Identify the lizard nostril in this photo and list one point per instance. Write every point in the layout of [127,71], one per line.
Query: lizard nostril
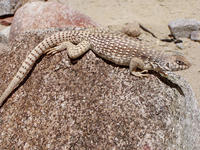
[167,65]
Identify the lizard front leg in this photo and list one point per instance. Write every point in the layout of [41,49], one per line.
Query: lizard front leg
[74,51]
[137,63]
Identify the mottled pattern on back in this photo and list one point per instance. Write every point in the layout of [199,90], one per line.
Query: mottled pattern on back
[118,48]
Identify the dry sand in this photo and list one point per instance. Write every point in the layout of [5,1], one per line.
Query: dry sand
[153,14]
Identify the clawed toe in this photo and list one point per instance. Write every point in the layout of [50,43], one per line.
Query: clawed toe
[140,74]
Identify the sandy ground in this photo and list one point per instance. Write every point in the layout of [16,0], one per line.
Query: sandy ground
[153,14]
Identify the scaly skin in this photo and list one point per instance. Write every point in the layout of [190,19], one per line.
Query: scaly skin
[112,46]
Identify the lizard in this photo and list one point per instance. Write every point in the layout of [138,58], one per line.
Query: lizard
[115,47]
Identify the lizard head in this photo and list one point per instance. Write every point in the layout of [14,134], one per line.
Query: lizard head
[174,62]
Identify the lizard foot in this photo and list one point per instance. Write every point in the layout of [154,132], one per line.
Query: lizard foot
[140,74]
[52,51]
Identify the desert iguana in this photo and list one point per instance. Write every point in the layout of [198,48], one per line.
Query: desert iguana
[112,46]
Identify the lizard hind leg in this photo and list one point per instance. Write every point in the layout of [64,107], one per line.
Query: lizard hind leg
[74,51]
[137,63]
[60,47]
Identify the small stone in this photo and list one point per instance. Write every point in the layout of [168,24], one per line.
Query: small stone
[180,45]
[183,27]
[195,36]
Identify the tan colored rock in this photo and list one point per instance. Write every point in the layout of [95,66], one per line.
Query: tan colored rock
[41,15]
[131,29]
[92,104]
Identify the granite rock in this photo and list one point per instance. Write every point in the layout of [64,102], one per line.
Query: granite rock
[93,104]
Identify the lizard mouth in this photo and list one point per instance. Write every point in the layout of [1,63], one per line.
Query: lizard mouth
[177,67]
[177,63]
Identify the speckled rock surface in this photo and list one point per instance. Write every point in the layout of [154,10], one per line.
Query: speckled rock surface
[92,104]
[40,15]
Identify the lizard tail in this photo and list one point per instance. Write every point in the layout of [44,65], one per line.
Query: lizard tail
[28,63]
[22,72]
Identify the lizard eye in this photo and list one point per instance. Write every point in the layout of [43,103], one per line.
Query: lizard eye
[179,62]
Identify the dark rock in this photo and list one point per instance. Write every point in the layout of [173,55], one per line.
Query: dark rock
[41,15]
[183,27]
[195,36]
[92,104]
[7,7]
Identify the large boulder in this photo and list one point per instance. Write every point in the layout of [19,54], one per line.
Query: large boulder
[41,15]
[93,104]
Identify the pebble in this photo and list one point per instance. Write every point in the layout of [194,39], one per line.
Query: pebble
[195,36]
[180,45]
